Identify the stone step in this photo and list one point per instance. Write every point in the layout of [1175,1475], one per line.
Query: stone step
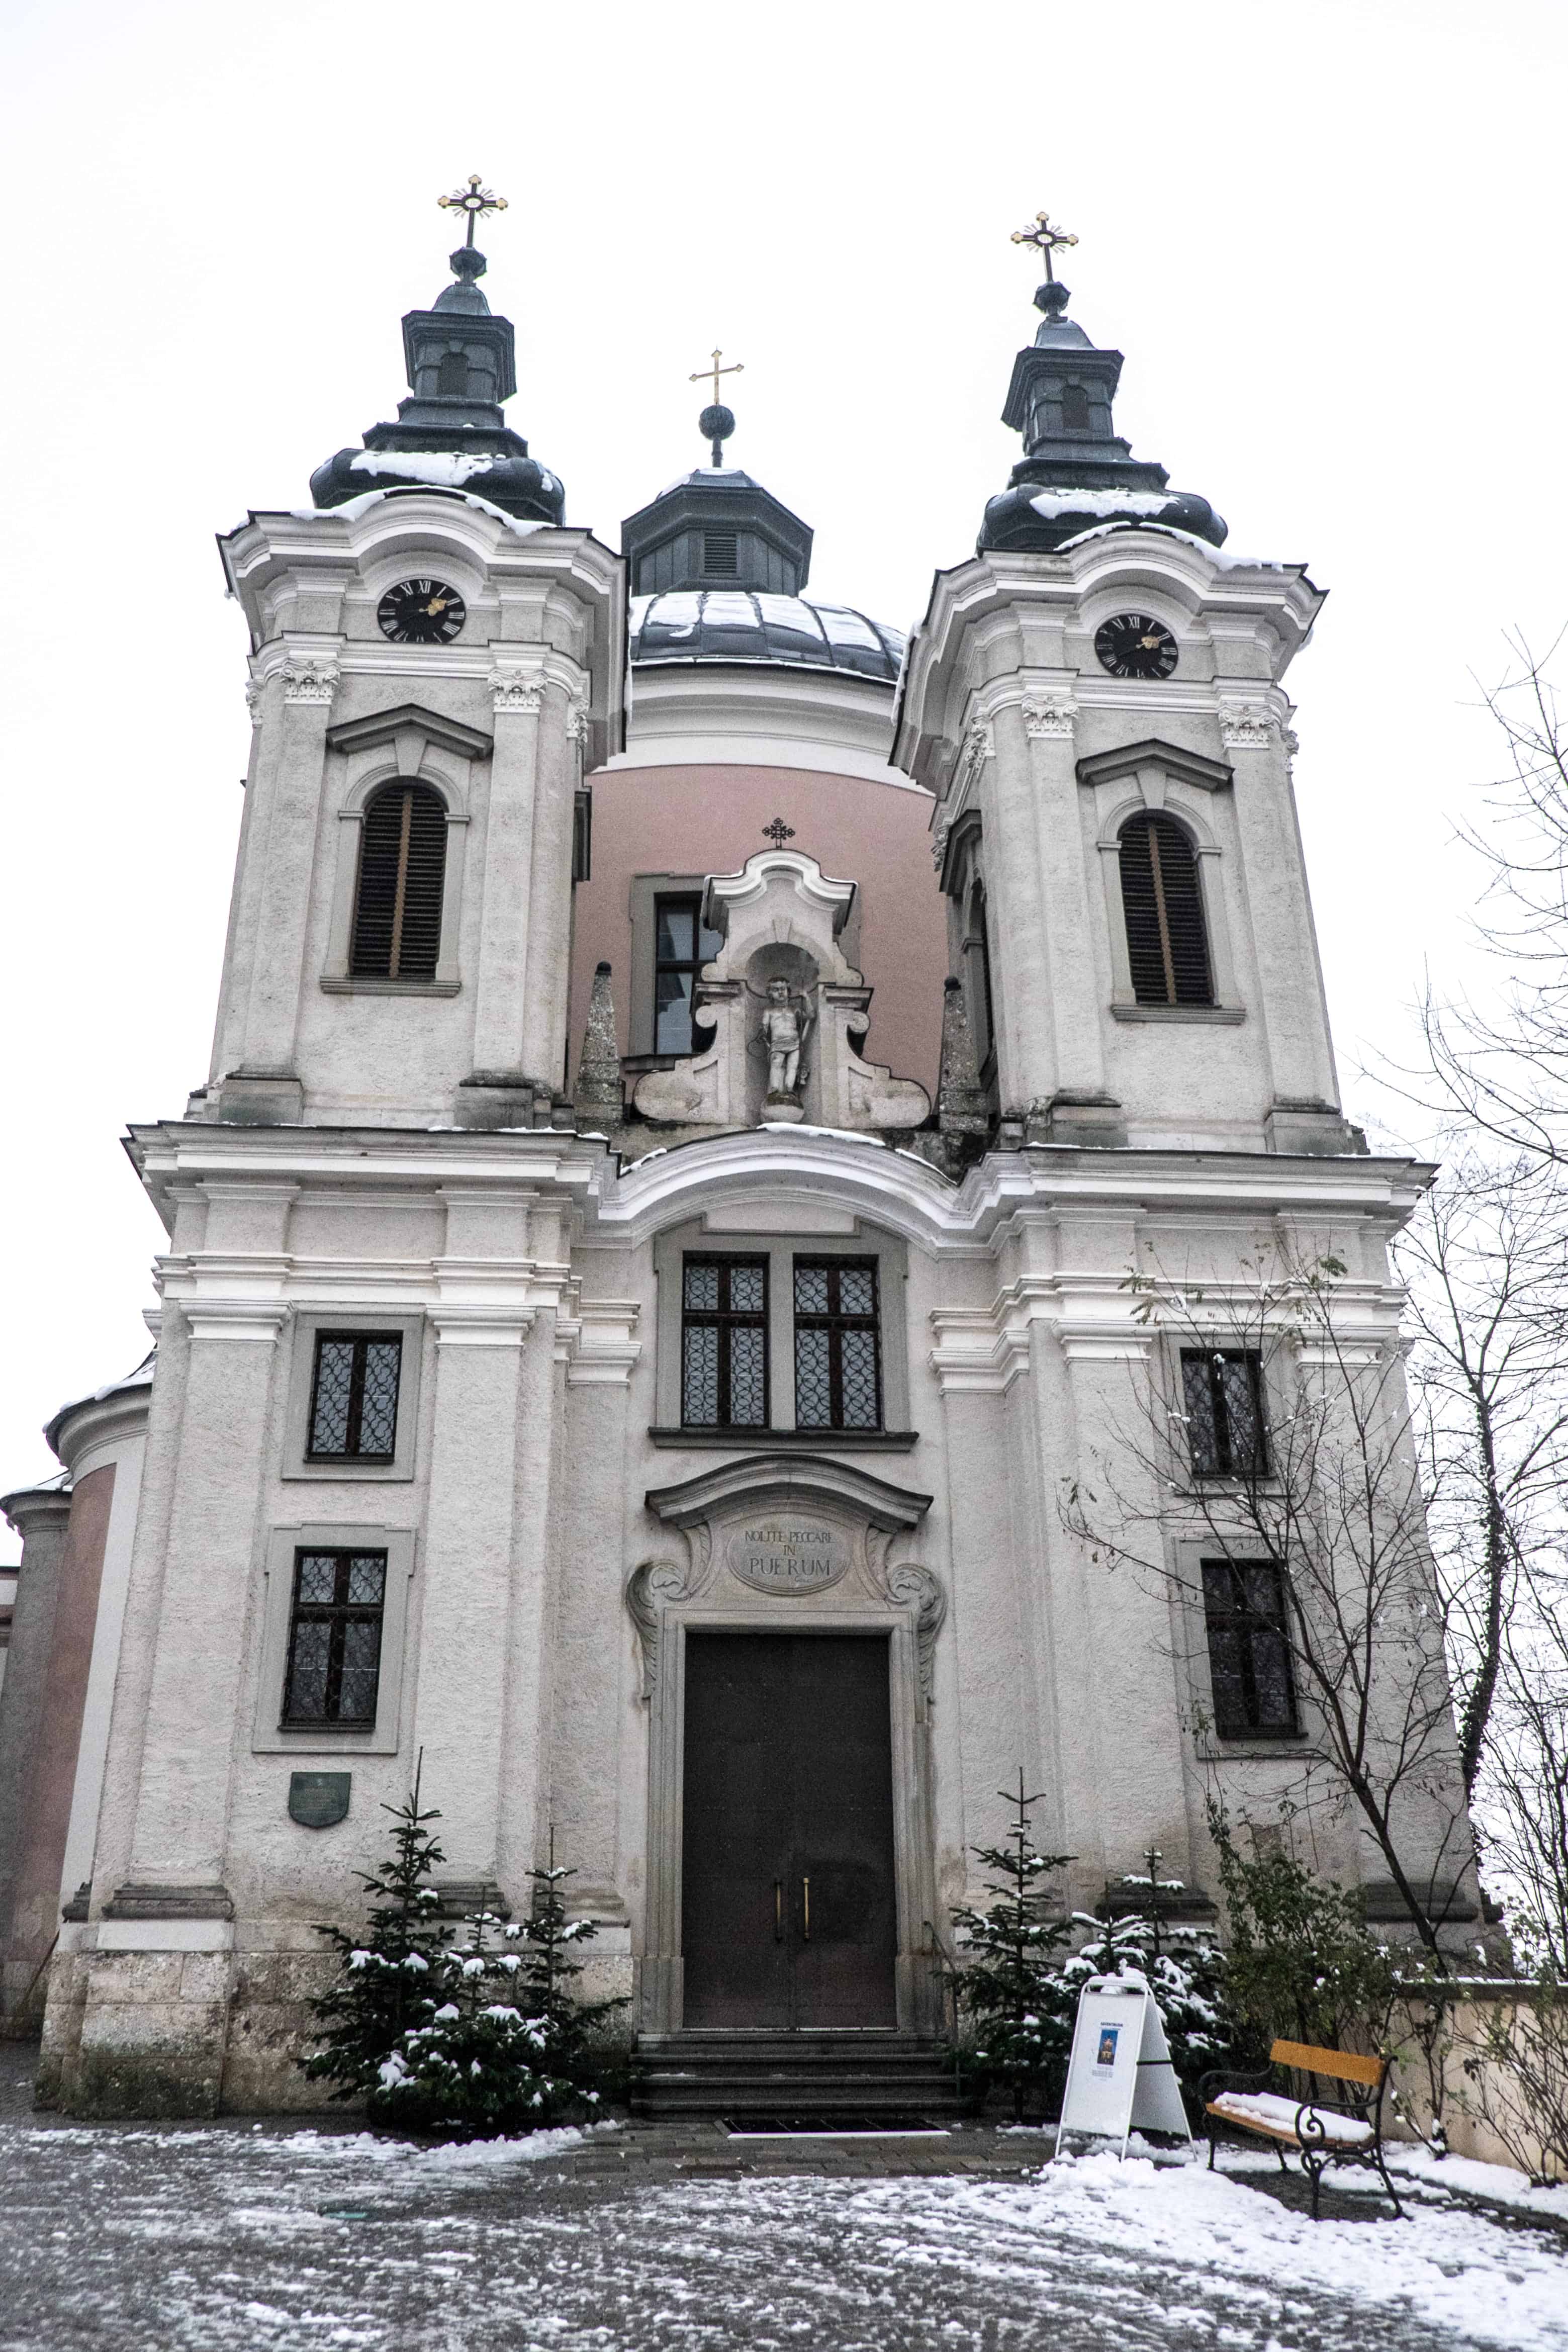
[780,2073]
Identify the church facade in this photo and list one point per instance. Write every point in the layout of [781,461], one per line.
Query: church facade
[693,1076]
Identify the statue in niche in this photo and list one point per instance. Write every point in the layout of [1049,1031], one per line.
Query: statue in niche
[785,1025]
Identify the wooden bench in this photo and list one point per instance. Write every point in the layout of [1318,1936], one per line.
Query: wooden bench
[1348,2130]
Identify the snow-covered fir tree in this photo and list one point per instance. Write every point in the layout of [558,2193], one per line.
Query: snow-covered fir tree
[1008,1983]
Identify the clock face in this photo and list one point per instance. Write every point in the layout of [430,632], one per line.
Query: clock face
[421,612]
[1132,645]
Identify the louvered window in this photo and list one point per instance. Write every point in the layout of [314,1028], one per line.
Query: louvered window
[1222,1390]
[838,1368]
[402,873]
[353,1396]
[1167,946]
[1244,1608]
[721,553]
[335,1639]
[723,1343]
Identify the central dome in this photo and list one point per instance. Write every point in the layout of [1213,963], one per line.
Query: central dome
[741,625]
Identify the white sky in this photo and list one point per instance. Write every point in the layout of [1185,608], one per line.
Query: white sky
[1329,240]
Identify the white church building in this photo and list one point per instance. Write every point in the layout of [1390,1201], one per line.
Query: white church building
[693,1075]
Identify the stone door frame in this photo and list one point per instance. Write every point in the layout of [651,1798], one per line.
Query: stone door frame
[871,1592]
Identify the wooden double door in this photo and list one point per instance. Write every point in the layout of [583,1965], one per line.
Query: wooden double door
[789,1909]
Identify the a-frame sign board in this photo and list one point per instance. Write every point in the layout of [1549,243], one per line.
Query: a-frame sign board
[1120,2076]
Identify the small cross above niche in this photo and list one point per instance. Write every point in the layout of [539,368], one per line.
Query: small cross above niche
[779,833]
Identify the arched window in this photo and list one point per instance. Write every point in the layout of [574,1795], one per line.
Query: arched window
[1075,408]
[403,872]
[1167,946]
[451,377]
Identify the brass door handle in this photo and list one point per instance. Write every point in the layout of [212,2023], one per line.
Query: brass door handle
[806,1893]
[778,1910]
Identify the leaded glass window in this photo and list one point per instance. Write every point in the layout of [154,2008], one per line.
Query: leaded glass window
[723,1343]
[334,1638]
[1244,1607]
[353,1396]
[1222,1388]
[838,1361]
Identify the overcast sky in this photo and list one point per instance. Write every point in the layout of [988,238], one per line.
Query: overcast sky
[1329,240]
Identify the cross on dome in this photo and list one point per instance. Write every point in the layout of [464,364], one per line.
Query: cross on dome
[476,200]
[716,421]
[737,368]
[1046,240]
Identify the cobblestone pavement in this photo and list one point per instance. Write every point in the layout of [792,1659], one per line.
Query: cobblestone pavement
[241,2236]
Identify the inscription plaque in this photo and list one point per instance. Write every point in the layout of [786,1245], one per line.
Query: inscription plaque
[781,1553]
[318,1800]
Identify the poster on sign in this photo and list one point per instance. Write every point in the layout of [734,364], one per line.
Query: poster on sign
[1120,2078]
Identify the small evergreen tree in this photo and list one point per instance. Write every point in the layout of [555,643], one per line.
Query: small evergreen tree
[393,1974]
[1303,1963]
[1008,1976]
[546,1981]
[478,2064]
[1184,1970]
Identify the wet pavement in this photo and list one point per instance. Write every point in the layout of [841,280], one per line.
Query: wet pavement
[304,2233]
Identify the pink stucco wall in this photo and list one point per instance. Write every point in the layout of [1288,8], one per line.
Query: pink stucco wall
[710,820]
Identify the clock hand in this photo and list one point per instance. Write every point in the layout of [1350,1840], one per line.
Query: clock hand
[437,604]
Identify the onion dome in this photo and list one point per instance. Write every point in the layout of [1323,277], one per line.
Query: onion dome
[1075,473]
[719,568]
[451,434]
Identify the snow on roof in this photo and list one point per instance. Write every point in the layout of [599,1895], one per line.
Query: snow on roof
[1051,503]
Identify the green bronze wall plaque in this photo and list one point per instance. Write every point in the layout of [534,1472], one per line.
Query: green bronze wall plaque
[317,1800]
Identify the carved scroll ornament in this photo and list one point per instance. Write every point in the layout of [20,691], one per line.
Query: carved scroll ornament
[647,1589]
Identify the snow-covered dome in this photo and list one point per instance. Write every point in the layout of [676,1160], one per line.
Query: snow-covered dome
[744,624]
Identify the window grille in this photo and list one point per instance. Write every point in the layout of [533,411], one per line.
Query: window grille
[353,1396]
[681,948]
[1167,944]
[335,1639]
[1075,408]
[721,553]
[838,1366]
[1244,1606]
[723,1343]
[1222,1390]
[402,874]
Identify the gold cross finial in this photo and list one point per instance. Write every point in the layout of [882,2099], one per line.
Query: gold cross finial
[476,200]
[1045,240]
[715,372]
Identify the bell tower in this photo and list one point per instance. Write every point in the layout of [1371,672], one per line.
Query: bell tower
[1096,700]
[435,660]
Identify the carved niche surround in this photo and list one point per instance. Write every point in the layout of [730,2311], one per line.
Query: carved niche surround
[787,1544]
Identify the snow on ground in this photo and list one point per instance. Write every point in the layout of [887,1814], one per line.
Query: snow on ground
[228,2240]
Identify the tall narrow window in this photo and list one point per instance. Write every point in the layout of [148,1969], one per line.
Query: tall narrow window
[1075,408]
[335,1639]
[353,1396]
[452,377]
[1222,1390]
[681,948]
[723,1343]
[1254,1689]
[402,873]
[1167,945]
[838,1364]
